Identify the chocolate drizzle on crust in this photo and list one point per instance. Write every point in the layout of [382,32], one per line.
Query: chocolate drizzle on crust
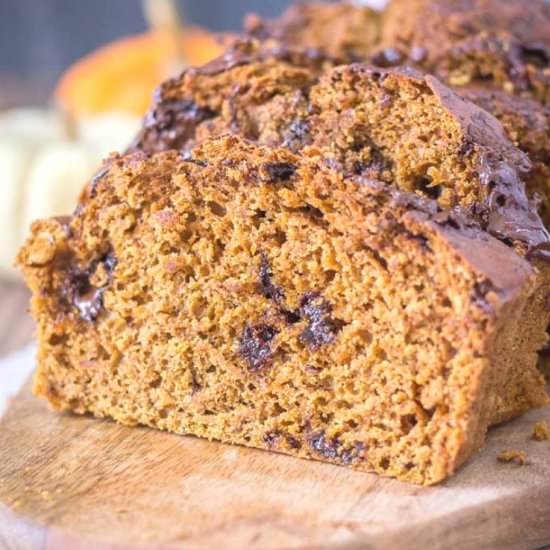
[507,213]
[173,123]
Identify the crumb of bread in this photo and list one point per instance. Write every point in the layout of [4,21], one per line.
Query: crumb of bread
[541,431]
[513,456]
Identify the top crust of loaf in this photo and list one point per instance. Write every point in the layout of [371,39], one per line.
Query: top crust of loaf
[276,97]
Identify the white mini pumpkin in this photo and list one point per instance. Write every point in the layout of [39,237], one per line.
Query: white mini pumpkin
[42,169]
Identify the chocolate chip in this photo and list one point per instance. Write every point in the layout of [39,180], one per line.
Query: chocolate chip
[188,157]
[273,291]
[388,57]
[270,438]
[255,345]
[327,448]
[424,185]
[87,298]
[292,441]
[279,171]
[171,124]
[110,262]
[375,165]
[80,292]
[321,328]
[537,56]
[466,148]
[297,135]
[268,288]
[170,112]
[418,54]
[479,295]
[195,384]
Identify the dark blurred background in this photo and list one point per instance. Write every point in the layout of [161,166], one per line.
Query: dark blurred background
[40,38]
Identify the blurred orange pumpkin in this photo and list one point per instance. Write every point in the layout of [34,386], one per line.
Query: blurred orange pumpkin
[122,75]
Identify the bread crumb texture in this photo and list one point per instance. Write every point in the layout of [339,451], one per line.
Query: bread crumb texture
[258,297]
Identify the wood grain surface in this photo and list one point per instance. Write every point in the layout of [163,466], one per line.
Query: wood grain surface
[69,482]
[80,483]
[16,326]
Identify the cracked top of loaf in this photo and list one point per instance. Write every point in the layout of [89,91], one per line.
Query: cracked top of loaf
[393,125]
[461,41]
[347,32]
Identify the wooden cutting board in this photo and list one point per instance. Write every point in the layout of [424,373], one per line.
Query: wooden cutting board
[16,326]
[69,482]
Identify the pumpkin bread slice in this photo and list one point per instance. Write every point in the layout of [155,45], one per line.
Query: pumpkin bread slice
[251,295]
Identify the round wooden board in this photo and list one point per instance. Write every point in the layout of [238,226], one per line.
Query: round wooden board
[79,483]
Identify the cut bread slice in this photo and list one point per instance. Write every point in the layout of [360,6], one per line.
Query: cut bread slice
[250,295]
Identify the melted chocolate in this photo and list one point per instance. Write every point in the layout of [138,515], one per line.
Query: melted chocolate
[519,59]
[245,52]
[297,135]
[507,213]
[269,289]
[188,157]
[321,327]
[87,298]
[327,448]
[171,124]
[255,346]
[279,171]
[274,292]
[272,438]
[333,449]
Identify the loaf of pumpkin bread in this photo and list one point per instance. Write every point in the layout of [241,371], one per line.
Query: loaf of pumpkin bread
[349,277]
